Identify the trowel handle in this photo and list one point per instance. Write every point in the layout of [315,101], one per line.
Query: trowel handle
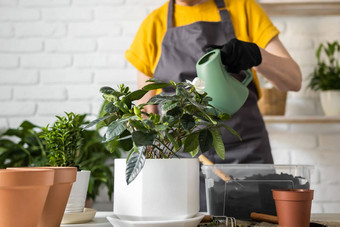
[249,77]
[205,161]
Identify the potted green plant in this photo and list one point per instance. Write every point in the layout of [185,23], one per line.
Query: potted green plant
[326,77]
[63,140]
[149,184]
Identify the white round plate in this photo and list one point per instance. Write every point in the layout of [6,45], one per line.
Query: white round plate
[190,222]
[81,217]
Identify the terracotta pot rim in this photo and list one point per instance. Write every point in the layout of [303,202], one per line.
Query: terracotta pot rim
[293,194]
[24,178]
[62,175]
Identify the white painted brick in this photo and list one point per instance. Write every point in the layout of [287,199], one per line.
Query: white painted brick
[315,157]
[130,28]
[67,14]
[46,61]
[304,57]
[280,25]
[44,93]
[99,60]
[58,108]
[49,3]
[313,26]
[5,93]
[14,122]
[116,13]
[70,45]
[329,174]
[3,125]
[315,175]
[40,29]
[114,44]
[298,43]
[300,106]
[281,156]
[8,2]
[19,14]
[66,76]
[9,61]
[18,76]
[317,208]
[326,193]
[316,128]
[19,45]
[277,127]
[117,76]
[292,140]
[83,92]
[330,141]
[17,109]
[94,29]
[98,2]
[6,30]
[332,208]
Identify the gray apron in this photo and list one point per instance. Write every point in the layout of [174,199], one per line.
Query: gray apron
[181,49]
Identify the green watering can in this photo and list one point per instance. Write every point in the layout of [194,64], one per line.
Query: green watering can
[228,93]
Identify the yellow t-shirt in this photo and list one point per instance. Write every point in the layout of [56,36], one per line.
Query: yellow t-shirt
[251,24]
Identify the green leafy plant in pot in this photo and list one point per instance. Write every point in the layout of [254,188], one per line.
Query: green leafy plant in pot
[188,124]
[63,140]
[326,77]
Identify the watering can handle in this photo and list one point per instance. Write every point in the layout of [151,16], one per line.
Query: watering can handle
[249,77]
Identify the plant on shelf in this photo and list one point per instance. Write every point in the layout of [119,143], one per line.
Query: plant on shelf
[326,77]
[188,123]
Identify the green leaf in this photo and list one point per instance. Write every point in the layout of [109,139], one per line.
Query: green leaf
[142,139]
[115,129]
[205,140]
[232,131]
[92,123]
[125,140]
[194,152]
[135,164]
[182,92]
[175,112]
[137,125]
[169,105]
[172,141]
[158,99]
[110,91]
[191,142]
[187,121]
[135,95]
[110,108]
[218,142]
[155,86]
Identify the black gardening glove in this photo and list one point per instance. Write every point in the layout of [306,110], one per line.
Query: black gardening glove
[238,55]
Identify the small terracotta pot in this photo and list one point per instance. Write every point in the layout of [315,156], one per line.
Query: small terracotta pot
[22,196]
[57,196]
[293,206]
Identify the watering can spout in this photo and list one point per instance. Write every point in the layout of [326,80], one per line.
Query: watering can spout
[227,93]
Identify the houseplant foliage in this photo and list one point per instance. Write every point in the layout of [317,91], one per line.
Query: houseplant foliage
[23,146]
[188,123]
[326,75]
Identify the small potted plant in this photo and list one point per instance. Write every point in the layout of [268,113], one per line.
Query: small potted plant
[326,77]
[64,139]
[152,183]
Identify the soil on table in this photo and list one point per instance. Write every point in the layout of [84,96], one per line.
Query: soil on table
[240,197]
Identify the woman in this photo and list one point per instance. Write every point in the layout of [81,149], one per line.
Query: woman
[173,37]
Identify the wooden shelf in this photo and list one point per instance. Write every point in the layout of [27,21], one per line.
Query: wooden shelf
[301,7]
[302,119]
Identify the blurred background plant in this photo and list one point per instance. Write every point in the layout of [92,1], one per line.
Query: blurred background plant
[22,146]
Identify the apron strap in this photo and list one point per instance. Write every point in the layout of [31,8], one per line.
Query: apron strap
[170,13]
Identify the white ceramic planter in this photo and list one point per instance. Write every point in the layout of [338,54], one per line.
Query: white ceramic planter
[330,102]
[166,189]
[76,201]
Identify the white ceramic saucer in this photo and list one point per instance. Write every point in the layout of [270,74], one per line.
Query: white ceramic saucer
[190,222]
[75,218]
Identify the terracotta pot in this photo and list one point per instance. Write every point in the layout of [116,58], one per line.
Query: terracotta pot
[57,196]
[293,206]
[22,196]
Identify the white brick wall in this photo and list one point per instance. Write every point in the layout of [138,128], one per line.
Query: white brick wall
[56,54]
